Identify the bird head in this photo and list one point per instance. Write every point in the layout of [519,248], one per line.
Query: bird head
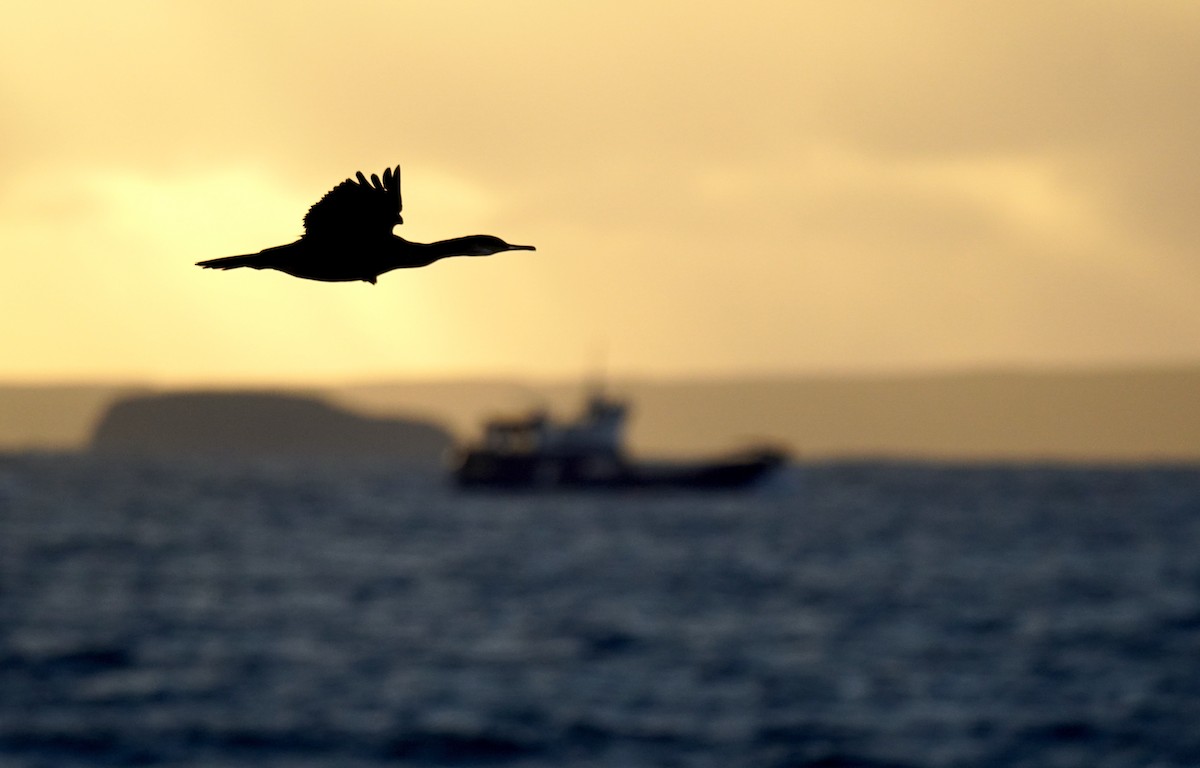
[486,245]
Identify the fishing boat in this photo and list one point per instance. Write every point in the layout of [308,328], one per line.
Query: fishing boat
[536,452]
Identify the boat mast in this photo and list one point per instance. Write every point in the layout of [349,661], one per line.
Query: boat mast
[596,389]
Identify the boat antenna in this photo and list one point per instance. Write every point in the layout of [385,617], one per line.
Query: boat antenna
[599,373]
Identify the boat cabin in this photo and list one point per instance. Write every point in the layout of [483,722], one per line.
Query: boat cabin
[598,431]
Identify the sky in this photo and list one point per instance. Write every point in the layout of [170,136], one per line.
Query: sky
[761,187]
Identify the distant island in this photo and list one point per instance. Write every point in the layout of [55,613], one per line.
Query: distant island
[248,424]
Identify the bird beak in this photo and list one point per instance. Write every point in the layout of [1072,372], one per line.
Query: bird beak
[521,248]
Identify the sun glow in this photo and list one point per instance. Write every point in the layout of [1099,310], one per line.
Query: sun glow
[777,187]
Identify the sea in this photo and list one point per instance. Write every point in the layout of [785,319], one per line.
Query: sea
[880,614]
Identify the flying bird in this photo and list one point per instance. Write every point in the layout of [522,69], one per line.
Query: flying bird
[348,236]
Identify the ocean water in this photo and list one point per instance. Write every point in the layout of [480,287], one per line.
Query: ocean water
[274,614]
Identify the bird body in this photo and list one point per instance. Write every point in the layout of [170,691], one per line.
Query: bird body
[348,237]
[361,259]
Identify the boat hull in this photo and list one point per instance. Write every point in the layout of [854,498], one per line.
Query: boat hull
[483,469]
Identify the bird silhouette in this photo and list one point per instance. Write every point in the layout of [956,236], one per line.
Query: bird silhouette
[348,236]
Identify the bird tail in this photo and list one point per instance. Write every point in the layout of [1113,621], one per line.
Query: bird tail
[267,258]
[231,262]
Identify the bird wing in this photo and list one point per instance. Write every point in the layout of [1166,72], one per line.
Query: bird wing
[354,208]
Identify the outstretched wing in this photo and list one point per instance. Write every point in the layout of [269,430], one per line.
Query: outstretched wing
[357,208]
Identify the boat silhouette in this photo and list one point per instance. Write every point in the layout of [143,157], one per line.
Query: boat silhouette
[536,452]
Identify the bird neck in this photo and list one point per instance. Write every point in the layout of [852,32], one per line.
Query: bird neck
[427,253]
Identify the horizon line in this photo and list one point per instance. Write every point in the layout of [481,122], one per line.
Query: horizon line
[159,382]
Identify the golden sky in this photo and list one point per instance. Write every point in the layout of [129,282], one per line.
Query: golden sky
[725,188]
